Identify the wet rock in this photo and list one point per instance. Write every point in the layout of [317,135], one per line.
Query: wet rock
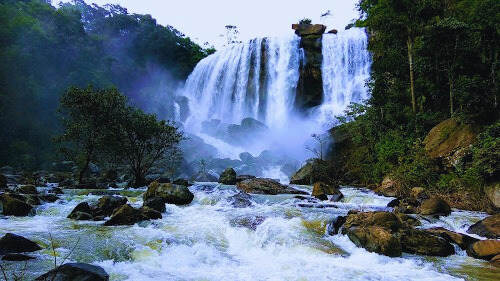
[376,239]
[462,240]
[156,203]
[15,207]
[80,216]
[107,205]
[126,215]
[389,187]
[407,221]
[17,257]
[170,193]
[150,213]
[489,227]
[321,190]
[3,182]
[51,198]
[13,244]
[266,186]
[379,219]
[495,261]
[75,271]
[492,191]
[333,31]
[27,189]
[33,200]
[435,206]
[250,222]
[182,182]
[204,177]
[240,200]
[423,243]
[484,249]
[310,173]
[334,226]
[289,169]
[393,203]
[241,178]
[79,210]
[418,194]
[228,177]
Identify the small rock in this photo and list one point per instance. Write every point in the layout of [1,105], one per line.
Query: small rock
[51,198]
[435,206]
[321,190]
[489,227]
[75,271]
[495,261]
[334,226]
[484,249]
[240,200]
[13,244]
[393,203]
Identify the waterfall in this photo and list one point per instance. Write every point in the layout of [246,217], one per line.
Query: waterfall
[345,69]
[255,79]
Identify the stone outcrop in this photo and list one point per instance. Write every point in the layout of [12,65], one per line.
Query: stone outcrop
[489,227]
[241,200]
[389,187]
[310,84]
[13,244]
[492,191]
[75,271]
[304,30]
[170,193]
[14,206]
[462,240]
[228,177]
[266,186]
[420,242]
[155,203]
[126,215]
[484,249]
[311,172]
[322,190]
[376,239]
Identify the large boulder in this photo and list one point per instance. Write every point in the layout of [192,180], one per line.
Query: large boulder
[435,206]
[76,272]
[228,177]
[126,215]
[368,219]
[424,243]
[265,186]
[311,172]
[322,190]
[170,193]
[493,193]
[11,244]
[484,249]
[389,187]
[82,211]
[462,240]
[489,227]
[106,205]
[155,203]
[376,239]
[15,207]
[450,141]
[303,30]
[3,182]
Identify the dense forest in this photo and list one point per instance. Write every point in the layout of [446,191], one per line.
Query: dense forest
[44,50]
[432,60]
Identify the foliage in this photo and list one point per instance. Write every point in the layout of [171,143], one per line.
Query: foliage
[45,50]
[305,21]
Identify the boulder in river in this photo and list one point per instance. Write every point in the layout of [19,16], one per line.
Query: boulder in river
[27,189]
[303,30]
[150,213]
[170,193]
[82,211]
[376,239]
[489,227]
[183,182]
[311,172]
[107,205]
[241,200]
[484,249]
[322,190]
[15,207]
[13,244]
[462,240]
[334,225]
[379,219]
[75,271]
[156,203]
[266,186]
[421,242]
[389,187]
[126,215]
[241,178]
[435,206]
[228,177]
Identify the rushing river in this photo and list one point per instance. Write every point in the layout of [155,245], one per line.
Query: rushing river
[277,238]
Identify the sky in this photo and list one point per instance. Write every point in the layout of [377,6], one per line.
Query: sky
[204,21]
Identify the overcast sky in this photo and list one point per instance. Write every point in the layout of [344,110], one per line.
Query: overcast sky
[203,21]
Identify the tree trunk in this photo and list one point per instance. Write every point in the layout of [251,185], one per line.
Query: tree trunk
[450,82]
[409,43]
[83,170]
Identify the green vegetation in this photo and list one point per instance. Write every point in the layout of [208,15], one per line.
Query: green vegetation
[44,51]
[305,21]
[432,60]
[101,128]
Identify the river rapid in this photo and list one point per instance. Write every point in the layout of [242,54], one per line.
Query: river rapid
[278,237]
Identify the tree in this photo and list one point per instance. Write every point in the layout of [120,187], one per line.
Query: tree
[92,120]
[147,143]
[318,152]
[231,34]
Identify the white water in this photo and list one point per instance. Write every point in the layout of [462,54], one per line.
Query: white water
[274,239]
[259,79]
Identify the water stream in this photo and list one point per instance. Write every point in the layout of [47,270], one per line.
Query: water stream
[274,239]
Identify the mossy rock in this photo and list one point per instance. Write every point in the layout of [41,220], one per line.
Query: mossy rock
[170,193]
[126,215]
[15,207]
[435,206]
[423,243]
[376,239]
[228,177]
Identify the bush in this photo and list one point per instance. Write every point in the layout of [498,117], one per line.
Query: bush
[305,21]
